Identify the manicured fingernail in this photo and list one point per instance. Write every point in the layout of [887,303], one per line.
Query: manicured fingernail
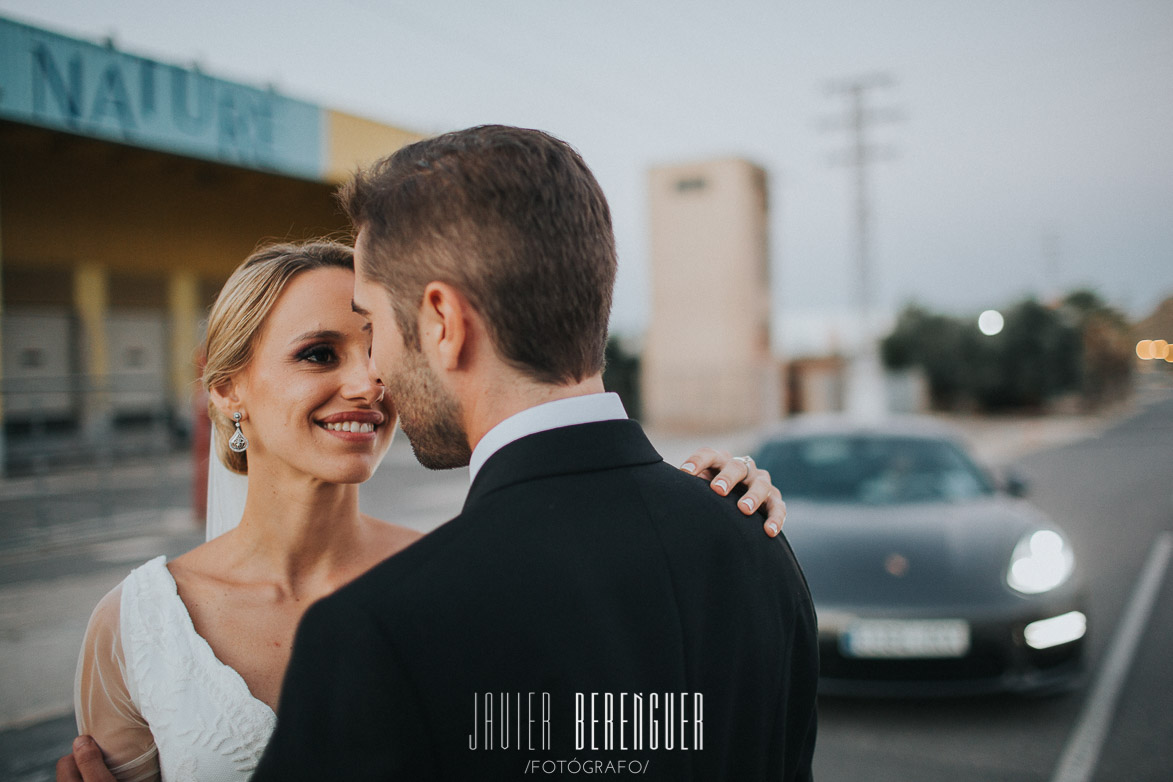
[688,467]
[747,502]
[721,484]
[81,741]
[773,529]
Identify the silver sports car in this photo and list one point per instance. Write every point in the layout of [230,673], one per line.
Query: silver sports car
[928,579]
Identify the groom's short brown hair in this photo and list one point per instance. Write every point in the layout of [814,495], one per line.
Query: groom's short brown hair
[512,218]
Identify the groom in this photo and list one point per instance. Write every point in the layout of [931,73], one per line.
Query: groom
[592,609]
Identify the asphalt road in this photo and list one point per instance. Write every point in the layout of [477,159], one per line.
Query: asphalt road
[1114,497]
[1111,493]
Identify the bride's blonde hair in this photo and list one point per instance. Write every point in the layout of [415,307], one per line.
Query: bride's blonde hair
[240,311]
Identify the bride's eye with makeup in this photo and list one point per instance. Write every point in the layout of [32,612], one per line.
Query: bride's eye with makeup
[317,354]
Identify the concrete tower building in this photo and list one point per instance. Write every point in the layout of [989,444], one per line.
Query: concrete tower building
[707,363]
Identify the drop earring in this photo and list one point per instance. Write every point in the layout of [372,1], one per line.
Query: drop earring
[238,443]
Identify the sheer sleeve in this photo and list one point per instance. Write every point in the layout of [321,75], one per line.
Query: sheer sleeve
[102,700]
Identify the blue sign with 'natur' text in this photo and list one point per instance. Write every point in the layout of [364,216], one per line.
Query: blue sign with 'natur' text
[79,87]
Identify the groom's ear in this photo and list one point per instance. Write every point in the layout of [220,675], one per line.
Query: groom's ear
[444,324]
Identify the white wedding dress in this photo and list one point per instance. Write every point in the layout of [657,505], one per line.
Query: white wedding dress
[149,688]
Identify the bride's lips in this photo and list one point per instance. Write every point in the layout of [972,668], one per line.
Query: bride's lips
[353,425]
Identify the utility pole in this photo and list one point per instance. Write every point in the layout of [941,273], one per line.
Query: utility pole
[860,155]
[866,387]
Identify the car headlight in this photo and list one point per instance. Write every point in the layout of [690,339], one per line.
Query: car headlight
[1041,561]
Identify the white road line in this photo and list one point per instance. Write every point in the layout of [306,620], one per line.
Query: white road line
[1082,752]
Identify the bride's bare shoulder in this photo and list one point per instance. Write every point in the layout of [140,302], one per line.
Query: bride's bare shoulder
[204,560]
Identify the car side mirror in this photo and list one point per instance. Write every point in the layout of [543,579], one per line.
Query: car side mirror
[1015,485]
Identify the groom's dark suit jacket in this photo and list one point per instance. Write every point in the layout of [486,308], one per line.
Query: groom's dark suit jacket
[581,563]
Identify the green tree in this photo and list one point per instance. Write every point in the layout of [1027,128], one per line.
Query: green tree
[932,342]
[1035,358]
[1108,354]
[1041,352]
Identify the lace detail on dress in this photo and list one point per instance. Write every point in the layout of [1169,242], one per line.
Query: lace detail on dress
[207,725]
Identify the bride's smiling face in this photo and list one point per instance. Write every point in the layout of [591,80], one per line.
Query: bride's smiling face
[310,404]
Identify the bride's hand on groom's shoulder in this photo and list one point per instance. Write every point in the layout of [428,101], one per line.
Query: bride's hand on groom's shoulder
[724,472]
[84,764]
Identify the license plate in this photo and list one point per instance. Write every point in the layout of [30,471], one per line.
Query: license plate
[914,638]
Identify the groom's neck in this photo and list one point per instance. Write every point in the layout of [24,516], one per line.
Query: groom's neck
[510,393]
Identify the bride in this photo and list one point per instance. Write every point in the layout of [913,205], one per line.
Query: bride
[182,663]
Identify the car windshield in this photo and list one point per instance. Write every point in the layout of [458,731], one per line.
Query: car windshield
[871,469]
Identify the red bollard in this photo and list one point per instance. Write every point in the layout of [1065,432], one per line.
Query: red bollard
[201,434]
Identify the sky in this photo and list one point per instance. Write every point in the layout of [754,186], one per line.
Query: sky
[1031,151]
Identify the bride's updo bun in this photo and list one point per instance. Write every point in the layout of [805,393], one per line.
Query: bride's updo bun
[240,311]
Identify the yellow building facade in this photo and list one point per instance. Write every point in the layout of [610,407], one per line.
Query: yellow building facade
[129,191]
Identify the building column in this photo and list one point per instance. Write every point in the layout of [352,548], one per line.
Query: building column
[183,304]
[91,302]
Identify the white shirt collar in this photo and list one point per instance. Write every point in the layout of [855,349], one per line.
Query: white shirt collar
[571,411]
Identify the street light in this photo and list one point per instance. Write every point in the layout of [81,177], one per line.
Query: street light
[991,322]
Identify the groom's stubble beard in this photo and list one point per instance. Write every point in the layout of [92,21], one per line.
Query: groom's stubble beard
[429,414]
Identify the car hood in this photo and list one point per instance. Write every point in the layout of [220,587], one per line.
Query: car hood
[914,555]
